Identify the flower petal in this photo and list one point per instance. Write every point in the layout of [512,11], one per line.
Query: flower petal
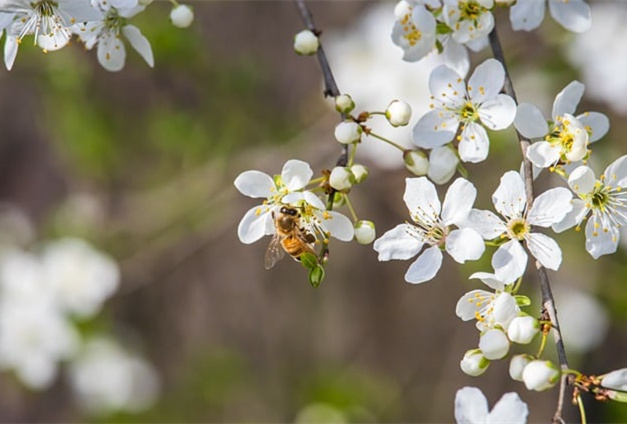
[572,218]
[255,224]
[464,245]
[509,409]
[489,279]
[397,243]
[139,43]
[312,199]
[338,225]
[455,55]
[543,154]
[474,144]
[421,199]
[509,261]
[550,207]
[486,223]
[616,173]
[10,51]
[471,406]
[255,184]
[468,306]
[600,241]
[527,15]
[574,15]
[447,87]
[597,123]
[111,53]
[296,174]
[442,164]
[486,81]
[434,129]
[425,267]
[545,250]
[530,121]
[458,201]
[510,198]
[498,113]
[582,180]
[567,100]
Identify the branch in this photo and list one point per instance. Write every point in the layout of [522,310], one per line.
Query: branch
[547,295]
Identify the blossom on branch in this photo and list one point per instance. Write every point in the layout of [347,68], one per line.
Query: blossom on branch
[574,15]
[471,407]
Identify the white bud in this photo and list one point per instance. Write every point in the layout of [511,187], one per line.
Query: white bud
[474,363]
[341,178]
[365,232]
[523,329]
[416,162]
[398,113]
[494,344]
[182,16]
[360,172]
[306,43]
[144,2]
[540,375]
[344,103]
[348,132]
[517,366]
[616,380]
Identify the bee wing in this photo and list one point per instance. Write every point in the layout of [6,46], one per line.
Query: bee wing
[274,253]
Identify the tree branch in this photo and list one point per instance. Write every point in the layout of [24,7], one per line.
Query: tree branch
[548,302]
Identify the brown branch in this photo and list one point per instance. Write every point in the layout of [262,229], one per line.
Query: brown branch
[548,301]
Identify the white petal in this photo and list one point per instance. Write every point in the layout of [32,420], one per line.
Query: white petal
[471,406]
[458,201]
[111,53]
[509,409]
[572,218]
[486,223]
[616,173]
[55,40]
[338,225]
[509,261]
[397,243]
[474,144]
[489,279]
[543,154]
[574,15]
[425,23]
[255,184]
[498,112]
[598,241]
[486,81]
[464,245]
[256,223]
[447,86]
[567,100]
[527,15]
[139,43]
[582,180]
[80,10]
[545,250]
[467,307]
[616,380]
[310,198]
[434,129]
[10,51]
[442,164]
[425,267]
[550,207]
[421,198]
[296,174]
[597,123]
[455,55]
[530,121]
[509,198]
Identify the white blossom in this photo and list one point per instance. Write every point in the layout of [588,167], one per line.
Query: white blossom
[348,132]
[540,375]
[414,31]
[469,19]
[341,178]
[474,363]
[517,366]
[574,15]
[471,407]
[443,162]
[523,329]
[494,344]
[398,113]
[431,229]
[306,42]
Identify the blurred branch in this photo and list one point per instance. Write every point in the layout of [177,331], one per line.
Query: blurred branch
[548,302]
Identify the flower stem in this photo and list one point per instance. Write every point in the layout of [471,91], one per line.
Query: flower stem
[390,142]
[350,208]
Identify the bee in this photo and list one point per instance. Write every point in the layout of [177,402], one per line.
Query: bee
[290,237]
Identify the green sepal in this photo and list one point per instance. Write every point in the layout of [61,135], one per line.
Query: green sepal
[522,300]
[316,275]
[442,29]
[617,396]
[308,260]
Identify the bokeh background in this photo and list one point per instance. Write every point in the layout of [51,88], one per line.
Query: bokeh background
[141,164]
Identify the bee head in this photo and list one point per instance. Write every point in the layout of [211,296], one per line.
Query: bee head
[289,211]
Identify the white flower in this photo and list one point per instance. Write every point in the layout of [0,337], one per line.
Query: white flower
[287,189]
[306,42]
[414,31]
[431,229]
[517,366]
[510,260]
[574,15]
[474,363]
[341,178]
[80,277]
[488,308]
[108,33]
[365,232]
[398,113]
[523,329]
[469,19]
[471,407]
[348,132]
[182,16]
[540,375]
[475,106]
[105,378]
[443,162]
[566,139]
[494,344]
[603,202]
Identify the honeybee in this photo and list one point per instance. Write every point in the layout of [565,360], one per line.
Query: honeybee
[290,237]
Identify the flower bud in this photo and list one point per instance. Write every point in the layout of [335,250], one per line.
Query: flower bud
[517,366]
[540,375]
[182,16]
[344,103]
[474,363]
[523,329]
[360,173]
[348,132]
[416,162]
[398,113]
[365,232]
[494,344]
[341,178]
[306,43]
[616,380]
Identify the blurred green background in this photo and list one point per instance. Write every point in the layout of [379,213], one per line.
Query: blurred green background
[142,163]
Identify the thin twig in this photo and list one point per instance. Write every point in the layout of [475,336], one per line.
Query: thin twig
[548,301]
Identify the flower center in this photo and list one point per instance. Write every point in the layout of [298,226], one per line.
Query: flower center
[429,229]
[470,10]
[517,228]
[468,113]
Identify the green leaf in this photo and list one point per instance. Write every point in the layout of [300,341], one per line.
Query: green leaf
[308,260]
[522,300]
[316,275]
